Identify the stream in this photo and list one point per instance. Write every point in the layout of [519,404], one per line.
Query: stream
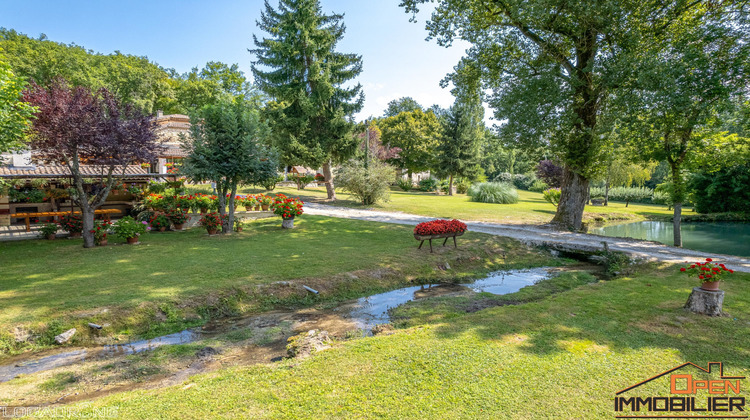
[363,313]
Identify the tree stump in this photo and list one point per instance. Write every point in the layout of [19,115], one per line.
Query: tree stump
[706,302]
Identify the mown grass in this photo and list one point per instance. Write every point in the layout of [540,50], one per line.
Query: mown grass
[563,356]
[530,209]
[180,279]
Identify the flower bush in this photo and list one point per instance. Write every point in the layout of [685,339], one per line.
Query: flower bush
[154,201]
[211,221]
[440,227]
[127,227]
[100,230]
[71,223]
[265,200]
[48,229]
[246,201]
[287,207]
[184,202]
[203,201]
[707,271]
[177,216]
[159,221]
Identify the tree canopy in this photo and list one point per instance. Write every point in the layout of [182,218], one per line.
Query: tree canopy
[15,114]
[416,133]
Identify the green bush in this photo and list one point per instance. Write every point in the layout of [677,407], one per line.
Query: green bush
[404,184]
[552,196]
[303,180]
[428,185]
[493,192]
[538,186]
[462,185]
[270,183]
[368,186]
[626,194]
[723,191]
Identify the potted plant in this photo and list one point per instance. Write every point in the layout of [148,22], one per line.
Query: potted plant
[130,229]
[73,224]
[159,222]
[708,272]
[288,209]
[178,218]
[212,222]
[101,227]
[238,225]
[265,201]
[48,230]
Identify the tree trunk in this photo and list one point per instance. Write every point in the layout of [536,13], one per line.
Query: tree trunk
[606,193]
[228,225]
[573,197]
[450,186]
[677,224]
[328,175]
[87,216]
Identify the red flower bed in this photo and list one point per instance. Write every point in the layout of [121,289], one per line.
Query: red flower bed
[440,227]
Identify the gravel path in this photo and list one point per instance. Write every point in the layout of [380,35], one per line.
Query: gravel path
[541,235]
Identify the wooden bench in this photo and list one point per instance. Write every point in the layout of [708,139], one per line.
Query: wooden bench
[27,216]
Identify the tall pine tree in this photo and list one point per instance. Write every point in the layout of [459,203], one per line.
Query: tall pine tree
[310,112]
[463,131]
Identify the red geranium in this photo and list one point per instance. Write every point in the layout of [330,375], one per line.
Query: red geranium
[440,227]
[707,271]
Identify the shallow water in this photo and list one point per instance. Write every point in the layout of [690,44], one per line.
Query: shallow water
[729,238]
[363,313]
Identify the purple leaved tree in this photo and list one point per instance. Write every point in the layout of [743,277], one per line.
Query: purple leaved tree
[75,126]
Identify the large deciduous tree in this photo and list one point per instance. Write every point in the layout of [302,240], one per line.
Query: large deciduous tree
[15,114]
[298,67]
[416,133]
[400,105]
[76,127]
[551,65]
[681,85]
[226,147]
[459,146]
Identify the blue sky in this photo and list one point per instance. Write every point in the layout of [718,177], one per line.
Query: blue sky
[184,34]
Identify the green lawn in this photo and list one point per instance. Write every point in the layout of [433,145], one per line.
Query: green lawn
[530,209]
[564,356]
[175,279]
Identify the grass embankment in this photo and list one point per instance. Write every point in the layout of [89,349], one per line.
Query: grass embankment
[563,356]
[530,209]
[179,279]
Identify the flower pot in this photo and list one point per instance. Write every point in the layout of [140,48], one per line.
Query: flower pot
[287,223]
[51,236]
[710,285]
[75,234]
[178,226]
[248,208]
[212,231]
[162,229]
[103,242]
[204,210]
[257,208]
[265,207]
[133,240]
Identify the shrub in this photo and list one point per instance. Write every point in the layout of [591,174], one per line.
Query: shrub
[368,186]
[552,195]
[661,197]
[549,172]
[287,207]
[48,229]
[723,191]
[404,184]
[127,227]
[71,223]
[504,177]
[538,186]
[462,185]
[178,217]
[303,180]
[524,181]
[270,183]
[626,194]
[493,192]
[439,227]
[156,187]
[428,185]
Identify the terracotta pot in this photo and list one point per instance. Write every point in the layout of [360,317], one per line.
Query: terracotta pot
[248,208]
[710,285]
[257,208]
[211,231]
[265,207]
[103,242]
[178,226]
[75,234]
[162,229]
[133,240]
[204,210]
[287,223]
[51,236]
